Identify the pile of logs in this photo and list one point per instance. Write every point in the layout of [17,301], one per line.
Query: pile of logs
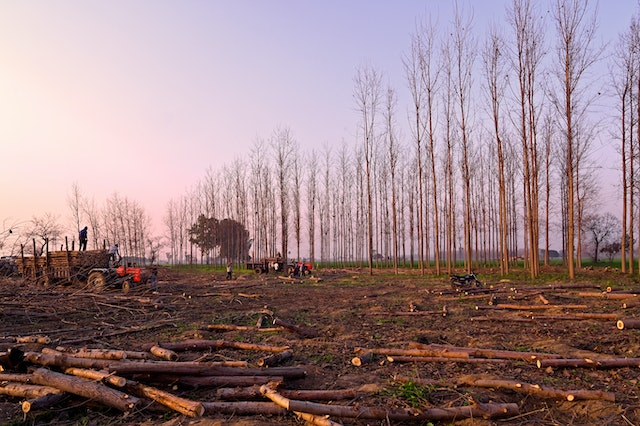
[133,382]
[61,265]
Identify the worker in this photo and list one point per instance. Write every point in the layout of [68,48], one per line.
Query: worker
[229,271]
[83,239]
[153,280]
[113,253]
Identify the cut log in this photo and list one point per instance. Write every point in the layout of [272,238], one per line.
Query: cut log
[200,369]
[628,323]
[217,381]
[61,360]
[425,352]
[305,332]
[43,402]
[489,411]
[400,358]
[90,353]
[23,390]
[163,353]
[275,359]
[99,392]
[246,408]
[43,340]
[316,420]
[176,403]
[208,345]
[97,375]
[577,316]
[365,358]
[590,363]
[231,327]
[530,307]
[631,304]
[253,392]
[539,391]
[492,353]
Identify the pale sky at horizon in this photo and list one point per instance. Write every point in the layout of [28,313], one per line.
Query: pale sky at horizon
[141,97]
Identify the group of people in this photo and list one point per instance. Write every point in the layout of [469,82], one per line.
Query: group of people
[114,252]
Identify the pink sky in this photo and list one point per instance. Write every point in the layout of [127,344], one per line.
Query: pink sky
[141,97]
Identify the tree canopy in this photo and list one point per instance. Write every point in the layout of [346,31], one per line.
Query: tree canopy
[226,238]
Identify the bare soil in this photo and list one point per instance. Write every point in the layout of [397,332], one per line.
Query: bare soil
[348,309]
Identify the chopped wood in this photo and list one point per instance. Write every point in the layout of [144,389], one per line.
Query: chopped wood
[365,358]
[246,408]
[275,359]
[305,332]
[43,340]
[253,392]
[425,352]
[631,304]
[90,353]
[577,316]
[534,389]
[43,402]
[491,353]
[530,307]
[589,363]
[24,390]
[628,323]
[217,381]
[207,345]
[176,403]
[92,390]
[62,360]
[200,368]
[396,358]
[316,420]
[163,353]
[231,327]
[489,411]
[97,375]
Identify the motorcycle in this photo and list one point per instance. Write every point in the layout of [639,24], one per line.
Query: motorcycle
[464,281]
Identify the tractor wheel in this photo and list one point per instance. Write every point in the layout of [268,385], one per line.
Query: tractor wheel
[257,270]
[97,281]
[126,286]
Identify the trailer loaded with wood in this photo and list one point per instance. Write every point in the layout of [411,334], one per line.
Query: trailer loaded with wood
[70,267]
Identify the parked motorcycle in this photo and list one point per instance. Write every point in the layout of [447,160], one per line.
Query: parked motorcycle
[464,281]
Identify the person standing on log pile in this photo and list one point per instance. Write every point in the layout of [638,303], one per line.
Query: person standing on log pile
[83,239]
[229,271]
[113,254]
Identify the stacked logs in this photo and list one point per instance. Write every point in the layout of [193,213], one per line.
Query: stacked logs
[62,265]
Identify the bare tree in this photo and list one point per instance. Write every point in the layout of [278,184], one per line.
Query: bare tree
[284,148]
[45,230]
[601,228]
[75,201]
[311,198]
[575,55]
[367,94]
[392,151]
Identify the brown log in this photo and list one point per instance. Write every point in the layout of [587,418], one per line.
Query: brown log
[397,358]
[252,392]
[23,390]
[590,363]
[230,327]
[412,314]
[539,391]
[365,358]
[246,408]
[316,420]
[217,381]
[163,353]
[628,323]
[43,340]
[176,403]
[207,345]
[43,402]
[631,304]
[105,395]
[17,377]
[397,414]
[305,332]
[492,353]
[530,307]
[275,359]
[200,368]
[577,316]
[97,375]
[89,353]
[61,360]
[416,352]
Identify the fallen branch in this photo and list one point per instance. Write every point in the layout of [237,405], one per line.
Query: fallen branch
[628,323]
[492,353]
[207,345]
[274,359]
[424,352]
[176,403]
[530,307]
[590,363]
[43,402]
[253,392]
[445,359]
[305,332]
[231,327]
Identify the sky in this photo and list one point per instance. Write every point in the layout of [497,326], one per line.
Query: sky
[142,97]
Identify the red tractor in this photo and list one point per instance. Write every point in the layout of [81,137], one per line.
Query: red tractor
[299,269]
[124,277]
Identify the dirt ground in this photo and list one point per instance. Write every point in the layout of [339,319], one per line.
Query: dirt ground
[348,309]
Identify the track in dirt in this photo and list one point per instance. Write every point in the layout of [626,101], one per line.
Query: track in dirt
[343,311]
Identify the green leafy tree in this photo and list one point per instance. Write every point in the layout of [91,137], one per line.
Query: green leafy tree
[228,236]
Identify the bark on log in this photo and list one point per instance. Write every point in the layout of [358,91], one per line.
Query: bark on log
[23,390]
[304,332]
[365,358]
[217,381]
[43,402]
[207,345]
[230,327]
[539,391]
[530,307]
[90,353]
[425,352]
[316,420]
[176,403]
[17,377]
[163,353]
[253,392]
[200,368]
[105,395]
[489,411]
[400,358]
[246,408]
[630,304]
[590,363]
[43,340]
[97,375]
[628,323]
[492,353]
[275,359]
[61,360]
[577,316]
